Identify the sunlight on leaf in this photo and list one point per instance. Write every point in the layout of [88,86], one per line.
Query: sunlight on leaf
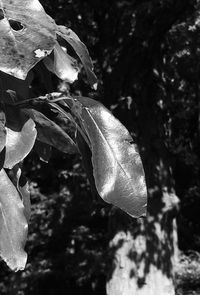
[19,144]
[27,36]
[81,51]
[63,65]
[13,225]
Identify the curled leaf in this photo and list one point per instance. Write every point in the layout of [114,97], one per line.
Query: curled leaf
[63,65]
[117,167]
[19,143]
[82,52]
[50,133]
[13,224]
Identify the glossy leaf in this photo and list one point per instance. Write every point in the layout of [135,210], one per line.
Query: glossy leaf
[13,224]
[81,51]
[117,167]
[19,143]
[27,36]
[62,65]
[50,133]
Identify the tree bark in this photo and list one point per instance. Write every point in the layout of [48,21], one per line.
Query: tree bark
[145,251]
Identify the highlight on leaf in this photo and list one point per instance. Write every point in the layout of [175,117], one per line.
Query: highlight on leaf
[13,224]
[81,51]
[19,143]
[62,65]
[25,29]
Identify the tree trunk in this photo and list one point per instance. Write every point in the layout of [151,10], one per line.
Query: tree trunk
[144,251]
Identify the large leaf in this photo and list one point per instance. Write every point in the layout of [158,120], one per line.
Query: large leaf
[19,143]
[50,133]
[13,225]
[117,167]
[81,51]
[27,36]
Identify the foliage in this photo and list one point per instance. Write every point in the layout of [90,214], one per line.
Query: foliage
[30,36]
[188,272]
[139,48]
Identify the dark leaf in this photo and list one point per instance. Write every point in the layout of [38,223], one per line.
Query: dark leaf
[50,133]
[117,167]
[81,51]
[13,224]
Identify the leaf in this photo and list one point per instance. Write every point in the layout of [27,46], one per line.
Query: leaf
[81,51]
[117,167]
[2,130]
[13,225]
[21,184]
[19,143]
[50,133]
[27,36]
[63,65]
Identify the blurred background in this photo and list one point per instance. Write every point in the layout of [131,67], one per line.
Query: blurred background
[146,56]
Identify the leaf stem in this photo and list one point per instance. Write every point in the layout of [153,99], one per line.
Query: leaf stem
[69,116]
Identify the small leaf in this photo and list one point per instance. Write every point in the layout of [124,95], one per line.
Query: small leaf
[50,133]
[13,225]
[27,36]
[81,51]
[19,143]
[117,167]
[63,65]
